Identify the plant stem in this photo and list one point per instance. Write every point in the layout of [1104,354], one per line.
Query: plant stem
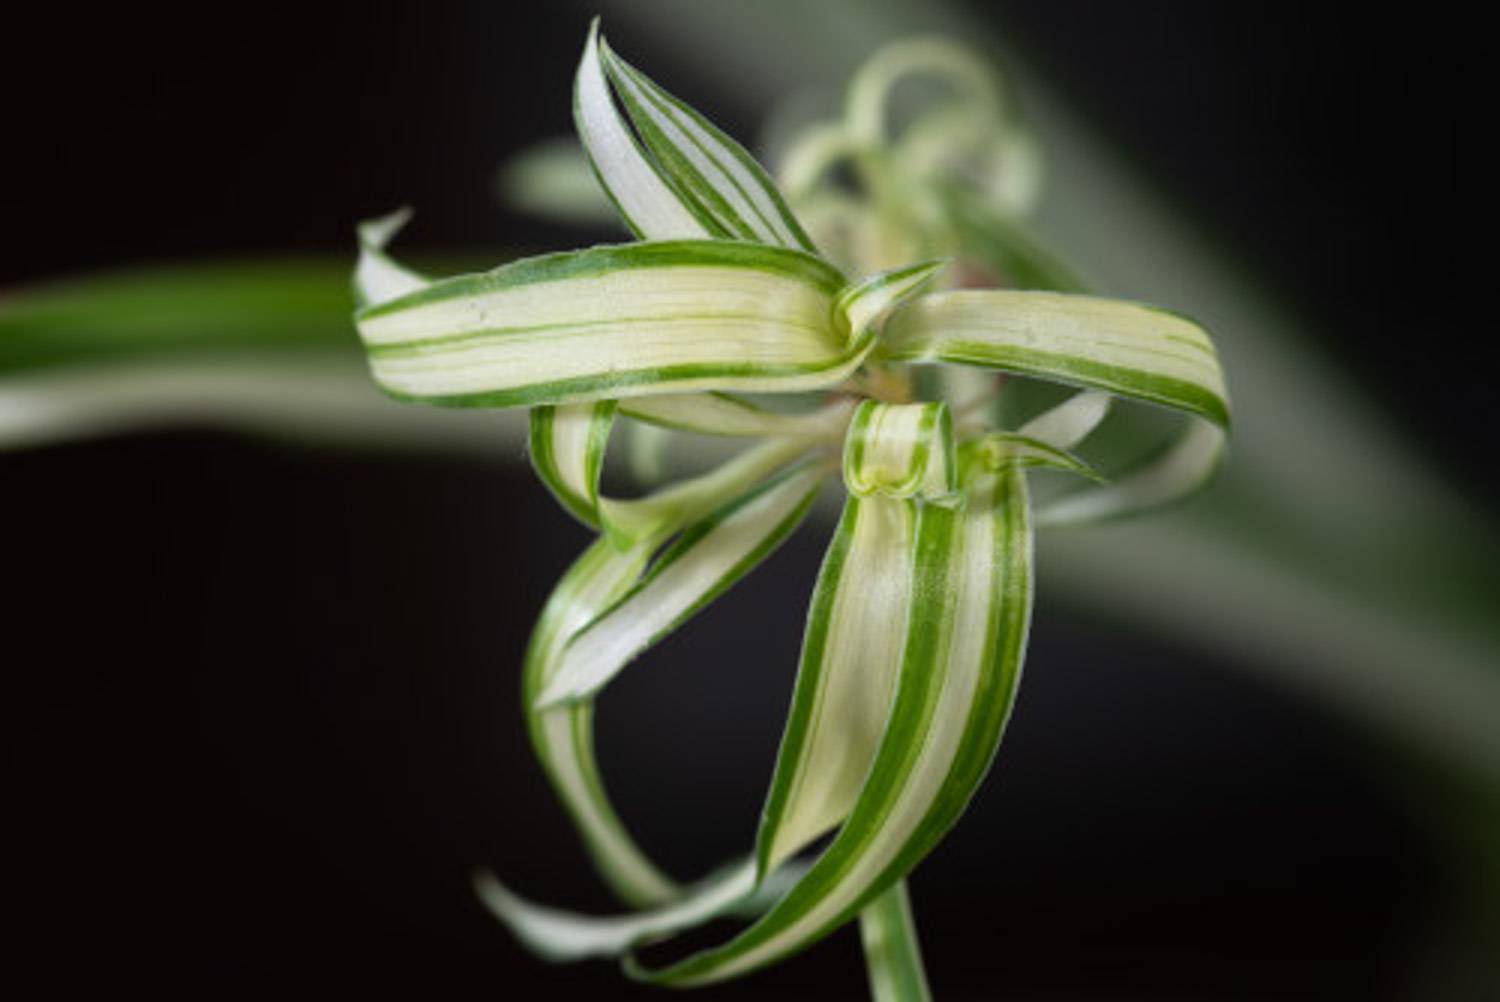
[892,954]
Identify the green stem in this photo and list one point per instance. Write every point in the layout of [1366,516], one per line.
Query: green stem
[892,954]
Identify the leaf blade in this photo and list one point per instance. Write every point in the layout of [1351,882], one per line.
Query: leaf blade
[632,182]
[960,668]
[566,447]
[846,677]
[562,738]
[709,557]
[1125,349]
[732,192]
[616,321]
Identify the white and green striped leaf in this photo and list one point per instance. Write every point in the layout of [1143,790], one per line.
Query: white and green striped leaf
[706,559]
[633,182]
[901,451]
[563,737]
[728,192]
[567,444]
[377,277]
[1071,421]
[1125,349]
[1174,472]
[960,665]
[1120,347]
[560,935]
[618,321]
[723,414]
[851,652]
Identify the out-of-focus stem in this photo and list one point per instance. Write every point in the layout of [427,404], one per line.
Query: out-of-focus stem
[892,954]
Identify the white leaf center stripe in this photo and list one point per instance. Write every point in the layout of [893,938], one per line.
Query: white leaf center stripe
[617,321]
[850,655]
[1107,344]
[753,323]
[567,446]
[967,637]
[631,260]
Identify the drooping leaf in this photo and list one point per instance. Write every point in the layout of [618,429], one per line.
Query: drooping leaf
[851,651]
[563,737]
[961,662]
[706,559]
[561,935]
[567,443]
[1123,348]
[1126,349]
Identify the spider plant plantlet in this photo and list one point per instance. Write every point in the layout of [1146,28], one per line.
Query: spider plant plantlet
[916,631]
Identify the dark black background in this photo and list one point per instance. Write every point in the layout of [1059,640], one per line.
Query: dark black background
[260,714]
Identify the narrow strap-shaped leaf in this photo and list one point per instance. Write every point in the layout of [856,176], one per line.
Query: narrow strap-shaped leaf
[901,451]
[851,651]
[649,206]
[660,514]
[893,956]
[971,607]
[562,935]
[567,445]
[616,321]
[1122,348]
[1178,470]
[734,194]
[706,559]
[1070,422]
[722,414]
[378,278]
[563,737]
